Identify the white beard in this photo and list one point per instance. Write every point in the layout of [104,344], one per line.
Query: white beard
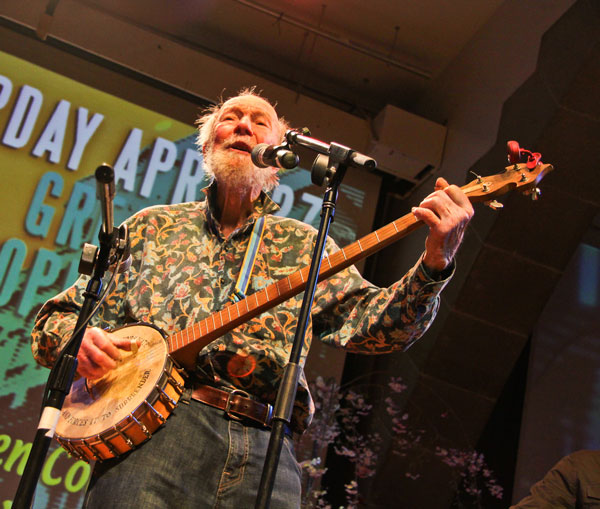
[238,171]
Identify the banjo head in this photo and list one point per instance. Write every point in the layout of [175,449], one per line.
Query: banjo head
[93,406]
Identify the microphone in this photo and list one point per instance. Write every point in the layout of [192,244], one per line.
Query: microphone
[264,156]
[105,192]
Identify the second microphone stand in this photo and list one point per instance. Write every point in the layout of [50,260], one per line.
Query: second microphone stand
[329,168]
[94,262]
[61,379]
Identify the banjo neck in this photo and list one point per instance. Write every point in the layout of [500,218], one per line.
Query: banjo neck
[184,345]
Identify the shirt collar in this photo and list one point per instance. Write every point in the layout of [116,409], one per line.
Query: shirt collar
[262,206]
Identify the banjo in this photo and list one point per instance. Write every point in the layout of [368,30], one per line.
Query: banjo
[112,415]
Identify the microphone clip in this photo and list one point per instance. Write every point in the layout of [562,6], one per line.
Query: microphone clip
[119,259]
[332,157]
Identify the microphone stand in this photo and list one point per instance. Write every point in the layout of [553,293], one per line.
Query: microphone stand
[62,373]
[329,167]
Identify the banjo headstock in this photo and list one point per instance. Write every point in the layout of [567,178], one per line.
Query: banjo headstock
[523,177]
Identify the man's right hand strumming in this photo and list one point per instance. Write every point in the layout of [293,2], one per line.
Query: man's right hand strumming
[99,353]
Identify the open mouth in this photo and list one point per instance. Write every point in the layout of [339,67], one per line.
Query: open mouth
[241,146]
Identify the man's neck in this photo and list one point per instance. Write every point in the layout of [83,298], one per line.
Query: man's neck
[235,206]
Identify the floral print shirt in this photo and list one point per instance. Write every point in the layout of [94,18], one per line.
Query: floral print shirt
[183,269]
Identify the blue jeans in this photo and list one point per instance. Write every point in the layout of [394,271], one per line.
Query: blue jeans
[198,459]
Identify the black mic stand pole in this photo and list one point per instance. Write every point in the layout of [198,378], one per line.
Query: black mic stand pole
[61,375]
[329,169]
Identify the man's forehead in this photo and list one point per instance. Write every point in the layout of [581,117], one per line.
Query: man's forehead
[254,103]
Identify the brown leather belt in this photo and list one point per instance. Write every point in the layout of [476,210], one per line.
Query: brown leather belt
[236,404]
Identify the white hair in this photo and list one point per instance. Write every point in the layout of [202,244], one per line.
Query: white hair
[206,122]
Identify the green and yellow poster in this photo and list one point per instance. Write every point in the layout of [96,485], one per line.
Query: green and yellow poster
[54,133]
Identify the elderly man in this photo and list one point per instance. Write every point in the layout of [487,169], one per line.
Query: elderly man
[186,261]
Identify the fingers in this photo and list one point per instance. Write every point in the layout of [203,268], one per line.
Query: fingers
[441,183]
[100,352]
[446,211]
[446,201]
[456,194]
[435,207]
[426,215]
[129,345]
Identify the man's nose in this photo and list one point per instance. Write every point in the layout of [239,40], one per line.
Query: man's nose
[244,125]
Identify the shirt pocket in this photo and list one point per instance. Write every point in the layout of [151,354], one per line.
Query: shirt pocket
[592,496]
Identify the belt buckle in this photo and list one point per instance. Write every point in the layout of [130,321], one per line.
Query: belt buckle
[227,408]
